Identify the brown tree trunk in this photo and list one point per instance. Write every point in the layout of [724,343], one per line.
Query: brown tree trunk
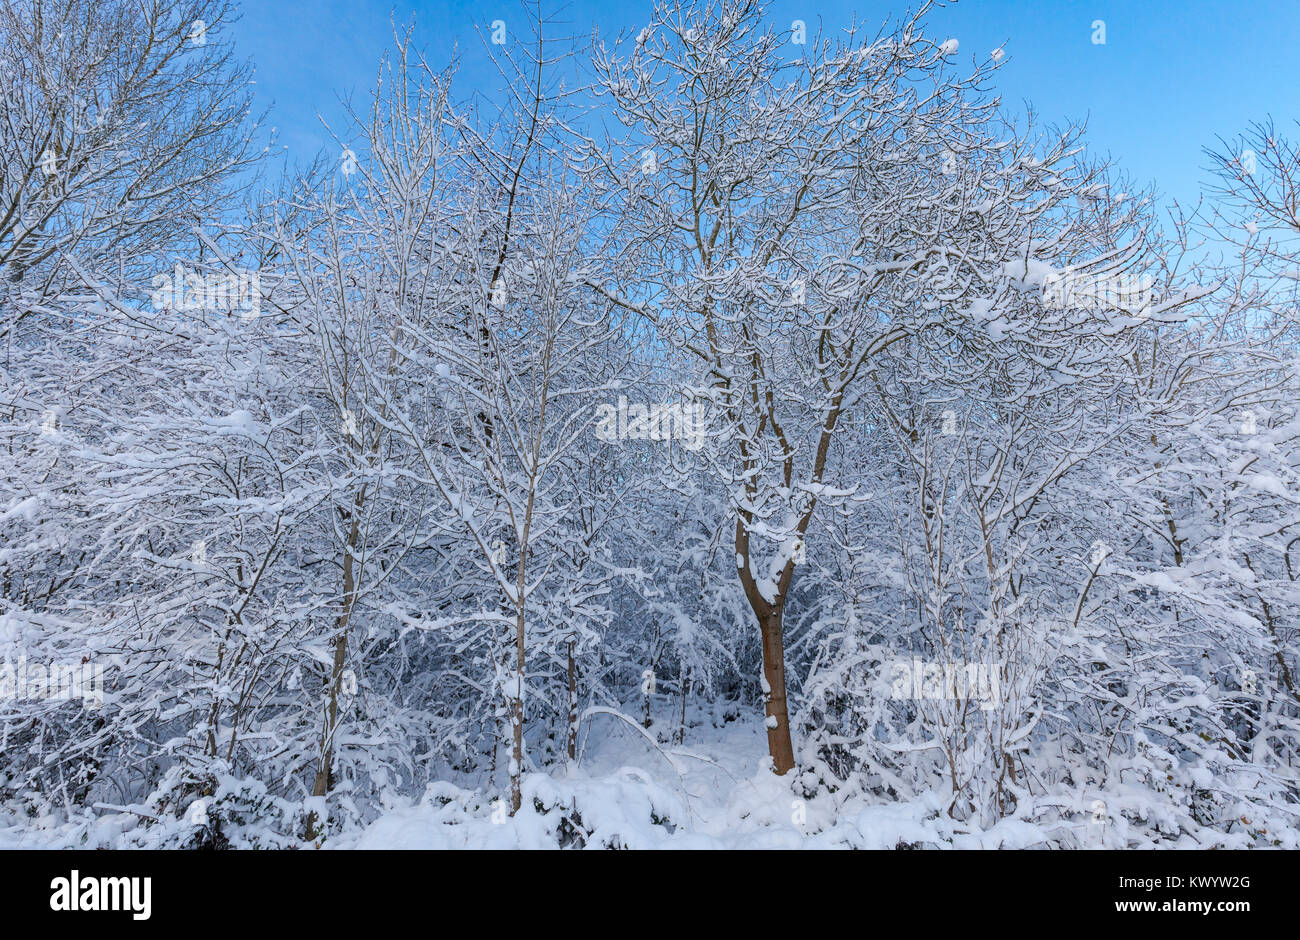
[779,744]
[770,616]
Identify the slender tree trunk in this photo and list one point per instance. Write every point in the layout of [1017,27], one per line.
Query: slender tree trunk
[572,736]
[647,686]
[517,718]
[779,744]
[325,770]
[681,733]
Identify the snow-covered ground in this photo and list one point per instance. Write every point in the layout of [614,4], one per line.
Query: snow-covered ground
[715,792]
[633,788]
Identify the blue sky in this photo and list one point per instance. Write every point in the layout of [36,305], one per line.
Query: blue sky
[1171,76]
